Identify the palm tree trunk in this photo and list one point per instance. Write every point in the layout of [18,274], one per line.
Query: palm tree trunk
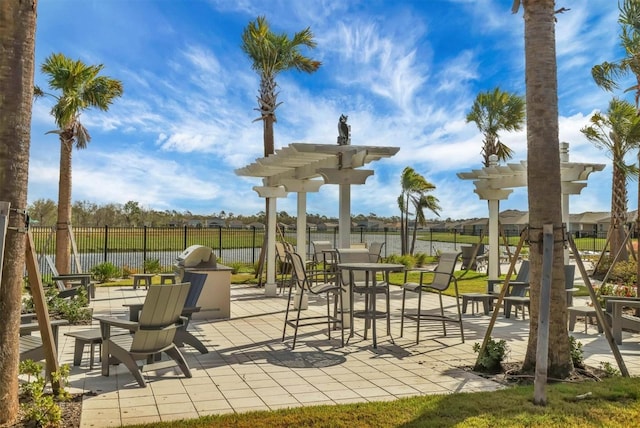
[17,32]
[618,214]
[64,207]
[543,175]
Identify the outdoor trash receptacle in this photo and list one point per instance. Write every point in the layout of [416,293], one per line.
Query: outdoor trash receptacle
[215,299]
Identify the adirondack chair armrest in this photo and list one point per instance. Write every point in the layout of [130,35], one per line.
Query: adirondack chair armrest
[491,283]
[187,312]
[180,323]
[117,322]
[134,311]
[27,328]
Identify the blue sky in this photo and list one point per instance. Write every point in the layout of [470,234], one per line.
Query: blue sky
[405,72]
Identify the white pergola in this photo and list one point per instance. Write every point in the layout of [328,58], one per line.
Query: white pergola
[496,182]
[303,168]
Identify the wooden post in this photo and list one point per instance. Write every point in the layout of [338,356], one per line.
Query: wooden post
[503,291]
[42,312]
[542,351]
[599,313]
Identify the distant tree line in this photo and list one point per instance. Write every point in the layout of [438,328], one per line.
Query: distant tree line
[43,212]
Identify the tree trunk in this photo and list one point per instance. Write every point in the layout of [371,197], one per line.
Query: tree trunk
[543,175]
[618,213]
[63,245]
[17,42]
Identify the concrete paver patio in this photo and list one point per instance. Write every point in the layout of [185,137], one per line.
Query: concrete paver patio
[248,367]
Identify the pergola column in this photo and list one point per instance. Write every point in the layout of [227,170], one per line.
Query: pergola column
[301,187]
[271,193]
[345,178]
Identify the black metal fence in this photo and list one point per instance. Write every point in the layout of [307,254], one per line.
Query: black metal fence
[130,247]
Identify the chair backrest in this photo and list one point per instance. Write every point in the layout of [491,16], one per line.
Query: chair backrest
[318,248]
[54,272]
[353,255]
[197,281]
[375,250]
[443,275]
[162,308]
[298,272]
[281,252]
[569,276]
[523,273]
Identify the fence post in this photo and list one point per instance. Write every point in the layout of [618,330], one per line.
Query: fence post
[253,246]
[106,241]
[184,238]
[386,230]
[455,240]
[220,242]
[144,248]
[308,240]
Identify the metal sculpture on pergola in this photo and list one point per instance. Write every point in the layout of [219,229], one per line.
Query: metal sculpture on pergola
[303,168]
[496,182]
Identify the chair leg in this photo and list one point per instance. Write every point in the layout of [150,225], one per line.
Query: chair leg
[444,324]
[295,332]
[388,297]
[404,293]
[175,354]
[418,317]
[286,316]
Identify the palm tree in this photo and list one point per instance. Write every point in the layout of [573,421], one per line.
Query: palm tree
[492,112]
[543,176]
[617,132]
[17,40]
[607,74]
[271,54]
[80,87]
[415,189]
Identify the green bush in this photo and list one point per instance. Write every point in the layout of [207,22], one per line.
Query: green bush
[577,353]
[38,407]
[152,266]
[105,271]
[491,359]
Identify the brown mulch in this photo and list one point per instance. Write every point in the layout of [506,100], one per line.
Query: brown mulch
[510,375]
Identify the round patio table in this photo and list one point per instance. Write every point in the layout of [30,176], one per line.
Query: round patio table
[369,289]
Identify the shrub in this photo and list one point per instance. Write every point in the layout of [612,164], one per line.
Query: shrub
[577,353]
[127,271]
[105,271]
[39,408]
[491,359]
[152,266]
[421,259]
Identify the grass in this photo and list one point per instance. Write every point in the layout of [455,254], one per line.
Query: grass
[614,402]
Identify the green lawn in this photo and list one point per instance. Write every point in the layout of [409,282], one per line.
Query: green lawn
[614,402]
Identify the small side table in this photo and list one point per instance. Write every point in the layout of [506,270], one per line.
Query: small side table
[92,338]
[167,278]
[587,312]
[140,279]
[475,298]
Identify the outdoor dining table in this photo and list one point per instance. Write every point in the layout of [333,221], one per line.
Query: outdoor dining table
[369,314]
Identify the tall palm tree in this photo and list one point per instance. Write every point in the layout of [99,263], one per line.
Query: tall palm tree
[421,203]
[495,111]
[78,87]
[17,43]
[271,54]
[607,74]
[543,176]
[415,193]
[617,132]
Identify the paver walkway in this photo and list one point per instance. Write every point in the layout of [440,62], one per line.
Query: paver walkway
[250,368]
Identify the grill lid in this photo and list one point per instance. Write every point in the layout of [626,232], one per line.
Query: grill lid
[196,256]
